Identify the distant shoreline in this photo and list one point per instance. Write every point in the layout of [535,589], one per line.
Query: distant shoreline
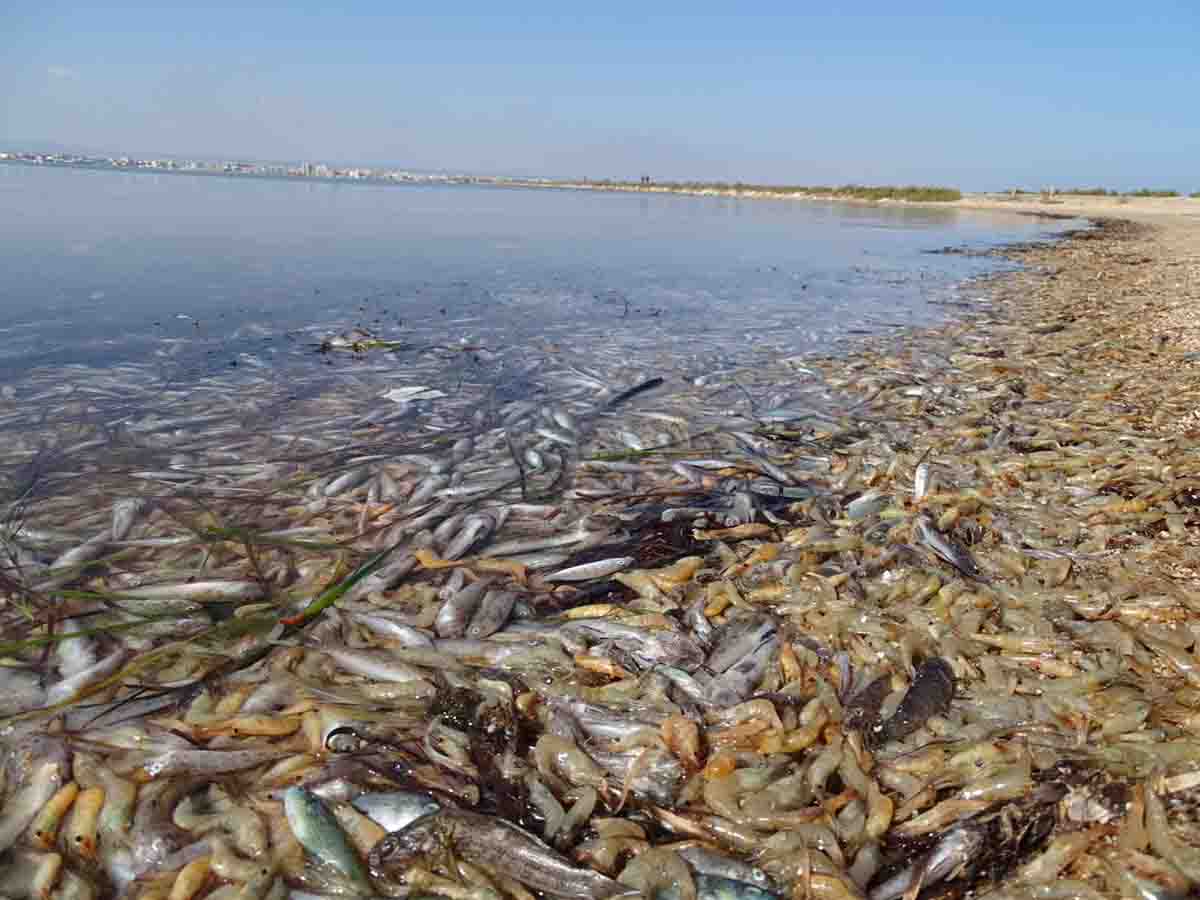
[1059,206]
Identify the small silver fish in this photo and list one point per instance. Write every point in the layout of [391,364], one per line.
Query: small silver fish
[601,568]
[947,549]
[395,810]
[921,482]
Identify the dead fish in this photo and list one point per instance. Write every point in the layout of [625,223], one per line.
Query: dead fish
[948,859]
[929,695]
[495,843]
[922,479]
[457,610]
[601,568]
[738,639]
[632,392]
[861,711]
[318,831]
[648,647]
[396,810]
[718,887]
[705,861]
[494,610]
[475,530]
[946,548]
[67,688]
[124,515]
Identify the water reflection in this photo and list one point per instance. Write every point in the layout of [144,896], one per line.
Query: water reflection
[105,267]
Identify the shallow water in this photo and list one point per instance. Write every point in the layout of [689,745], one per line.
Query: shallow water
[108,267]
[147,313]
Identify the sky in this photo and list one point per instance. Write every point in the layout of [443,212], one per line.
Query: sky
[979,96]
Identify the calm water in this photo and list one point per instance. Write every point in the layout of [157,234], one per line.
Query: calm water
[102,268]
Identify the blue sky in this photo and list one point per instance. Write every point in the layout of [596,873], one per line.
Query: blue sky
[1034,94]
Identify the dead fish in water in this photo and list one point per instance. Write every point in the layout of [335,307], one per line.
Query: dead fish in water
[929,695]
[738,639]
[648,648]
[494,843]
[744,649]
[717,887]
[475,530]
[396,810]
[861,711]
[947,549]
[601,568]
[494,610]
[459,609]
[922,481]
[318,831]
[711,863]
[632,392]
[948,859]
[33,773]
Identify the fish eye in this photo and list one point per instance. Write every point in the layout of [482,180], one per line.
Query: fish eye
[343,739]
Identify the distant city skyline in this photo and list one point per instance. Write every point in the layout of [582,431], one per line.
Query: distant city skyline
[56,147]
[1069,94]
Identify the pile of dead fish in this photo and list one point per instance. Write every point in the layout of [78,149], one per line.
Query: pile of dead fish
[894,626]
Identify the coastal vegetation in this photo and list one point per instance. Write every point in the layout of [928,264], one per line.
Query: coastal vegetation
[1097,192]
[919,193]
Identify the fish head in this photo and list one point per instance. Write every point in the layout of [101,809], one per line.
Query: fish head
[419,840]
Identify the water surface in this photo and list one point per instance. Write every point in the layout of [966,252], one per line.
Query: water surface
[198,273]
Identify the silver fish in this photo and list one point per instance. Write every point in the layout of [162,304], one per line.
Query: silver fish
[601,568]
[947,549]
[494,843]
[396,810]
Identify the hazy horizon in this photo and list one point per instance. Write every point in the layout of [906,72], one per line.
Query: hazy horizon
[1071,95]
[1183,184]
